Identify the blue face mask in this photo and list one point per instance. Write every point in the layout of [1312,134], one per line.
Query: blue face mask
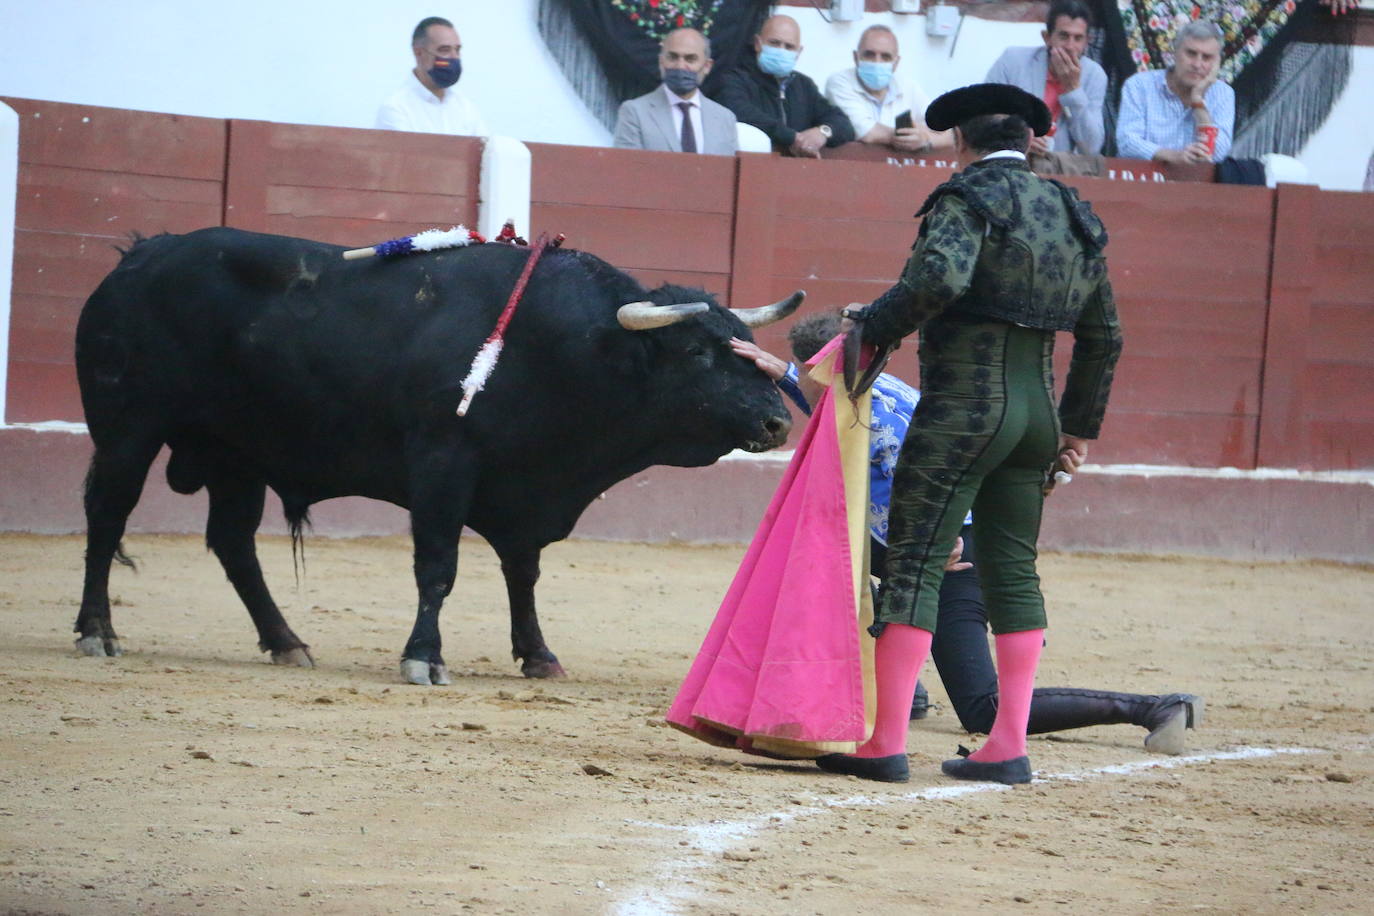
[777,61]
[874,74]
[445,71]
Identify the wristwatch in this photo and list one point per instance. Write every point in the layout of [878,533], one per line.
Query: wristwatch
[825,129]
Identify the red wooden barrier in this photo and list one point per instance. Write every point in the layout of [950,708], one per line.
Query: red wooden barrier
[88,179]
[839,230]
[662,217]
[347,186]
[1248,312]
[1319,343]
[1190,268]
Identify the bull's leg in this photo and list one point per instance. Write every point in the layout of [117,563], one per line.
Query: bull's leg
[235,513]
[113,485]
[435,525]
[520,566]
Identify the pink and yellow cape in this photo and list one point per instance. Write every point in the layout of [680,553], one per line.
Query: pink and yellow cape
[786,668]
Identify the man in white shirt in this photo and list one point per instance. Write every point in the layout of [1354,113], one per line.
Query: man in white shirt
[873,99]
[428,103]
[676,117]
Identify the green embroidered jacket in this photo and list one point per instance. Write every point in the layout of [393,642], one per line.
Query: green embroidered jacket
[998,242]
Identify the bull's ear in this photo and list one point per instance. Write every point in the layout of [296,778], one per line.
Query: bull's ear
[623,355]
[767,314]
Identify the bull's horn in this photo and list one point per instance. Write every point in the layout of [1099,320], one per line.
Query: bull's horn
[767,314]
[641,316]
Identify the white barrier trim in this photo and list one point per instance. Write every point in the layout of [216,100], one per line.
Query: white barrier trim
[1107,470]
[667,892]
[504,188]
[1142,470]
[50,426]
[9,192]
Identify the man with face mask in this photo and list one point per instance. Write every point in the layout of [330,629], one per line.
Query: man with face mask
[766,91]
[1073,86]
[428,103]
[676,117]
[872,97]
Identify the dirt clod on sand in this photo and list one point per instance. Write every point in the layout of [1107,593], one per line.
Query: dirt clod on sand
[191,775]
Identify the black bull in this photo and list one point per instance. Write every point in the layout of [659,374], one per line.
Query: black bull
[265,361]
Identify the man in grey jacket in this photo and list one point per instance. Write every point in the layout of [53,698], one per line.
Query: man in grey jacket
[676,117]
[1073,86]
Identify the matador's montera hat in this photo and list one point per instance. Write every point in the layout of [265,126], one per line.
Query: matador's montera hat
[959,105]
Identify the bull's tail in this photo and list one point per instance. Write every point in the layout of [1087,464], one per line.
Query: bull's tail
[297,520]
[136,241]
[123,559]
[120,557]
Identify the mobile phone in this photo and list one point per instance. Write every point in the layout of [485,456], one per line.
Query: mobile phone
[904,120]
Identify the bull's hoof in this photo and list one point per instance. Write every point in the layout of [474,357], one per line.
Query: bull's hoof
[99,646]
[424,673]
[298,657]
[542,669]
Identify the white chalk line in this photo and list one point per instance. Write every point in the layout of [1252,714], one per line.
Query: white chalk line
[706,842]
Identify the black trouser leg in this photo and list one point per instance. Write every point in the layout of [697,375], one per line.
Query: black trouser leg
[960,648]
[1055,709]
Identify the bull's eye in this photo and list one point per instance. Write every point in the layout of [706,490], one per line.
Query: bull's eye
[696,350]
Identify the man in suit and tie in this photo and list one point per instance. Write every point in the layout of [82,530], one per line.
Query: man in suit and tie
[676,117]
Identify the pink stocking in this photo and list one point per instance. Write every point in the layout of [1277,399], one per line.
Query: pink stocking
[1018,655]
[897,661]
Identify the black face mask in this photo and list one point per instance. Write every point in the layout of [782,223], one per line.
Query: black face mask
[445,71]
[680,80]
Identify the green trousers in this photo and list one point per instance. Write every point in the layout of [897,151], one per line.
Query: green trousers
[983,437]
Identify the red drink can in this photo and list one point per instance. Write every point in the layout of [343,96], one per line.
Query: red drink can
[1208,135]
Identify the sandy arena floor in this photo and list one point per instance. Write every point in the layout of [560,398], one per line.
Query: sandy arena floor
[189,776]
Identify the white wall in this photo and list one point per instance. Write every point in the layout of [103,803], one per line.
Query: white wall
[1338,154]
[300,61]
[9,178]
[315,62]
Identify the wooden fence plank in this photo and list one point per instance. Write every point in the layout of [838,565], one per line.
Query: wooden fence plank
[1282,437]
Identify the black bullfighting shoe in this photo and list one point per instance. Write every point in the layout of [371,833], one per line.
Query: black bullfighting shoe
[892,768]
[1011,772]
[920,702]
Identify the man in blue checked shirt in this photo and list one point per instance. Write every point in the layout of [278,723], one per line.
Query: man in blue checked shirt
[1166,114]
[960,648]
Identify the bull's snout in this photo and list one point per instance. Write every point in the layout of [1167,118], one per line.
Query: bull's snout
[773,432]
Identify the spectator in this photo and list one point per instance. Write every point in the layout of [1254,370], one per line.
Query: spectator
[428,103]
[676,117]
[873,99]
[1073,86]
[767,92]
[1162,111]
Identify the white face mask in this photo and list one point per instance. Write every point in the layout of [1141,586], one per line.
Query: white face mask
[875,75]
[778,62]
